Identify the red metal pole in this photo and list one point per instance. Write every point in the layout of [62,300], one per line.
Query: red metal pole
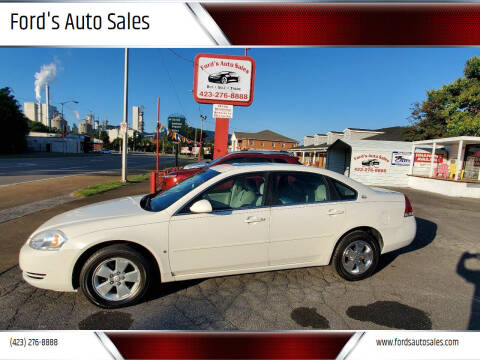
[158,129]
[221,137]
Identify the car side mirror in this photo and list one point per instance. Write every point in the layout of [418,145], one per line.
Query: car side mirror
[201,207]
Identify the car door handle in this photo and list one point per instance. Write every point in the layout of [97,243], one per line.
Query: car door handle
[254,219]
[335,212]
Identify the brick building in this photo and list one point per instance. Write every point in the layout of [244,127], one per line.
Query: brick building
[262,140]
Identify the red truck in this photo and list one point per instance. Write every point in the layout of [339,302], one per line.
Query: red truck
[174,177]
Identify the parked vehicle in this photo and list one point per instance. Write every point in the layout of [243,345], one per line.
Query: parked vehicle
[225,220]
[223,77]
[105,151]
[175,177]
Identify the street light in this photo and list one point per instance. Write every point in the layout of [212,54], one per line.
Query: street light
[66,102]
[65,129]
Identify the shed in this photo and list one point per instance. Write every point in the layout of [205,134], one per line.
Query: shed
[371,162]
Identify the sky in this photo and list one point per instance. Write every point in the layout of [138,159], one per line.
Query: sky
[298,91]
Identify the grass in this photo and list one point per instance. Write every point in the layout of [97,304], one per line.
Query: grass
[110,185]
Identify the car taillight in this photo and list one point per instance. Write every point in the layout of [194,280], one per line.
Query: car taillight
[408,207]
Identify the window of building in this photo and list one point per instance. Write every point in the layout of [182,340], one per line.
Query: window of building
[273,144]
[263,144]
[283,145]
[251,142]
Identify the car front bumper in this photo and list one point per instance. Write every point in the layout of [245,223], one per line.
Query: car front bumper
[50,270]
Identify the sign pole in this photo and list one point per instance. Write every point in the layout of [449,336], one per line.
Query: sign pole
[221,137]
[125,118]
[158,130]
[201,137]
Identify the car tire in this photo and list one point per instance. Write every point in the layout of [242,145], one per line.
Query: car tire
[224,80]
[129,286]
[356,256]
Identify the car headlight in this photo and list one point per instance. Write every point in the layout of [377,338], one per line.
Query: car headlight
[48,240]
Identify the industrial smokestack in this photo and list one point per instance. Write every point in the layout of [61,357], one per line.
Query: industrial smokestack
[47,103]
[39,112]
[47,74]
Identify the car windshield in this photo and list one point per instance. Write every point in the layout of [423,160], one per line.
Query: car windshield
[166,198]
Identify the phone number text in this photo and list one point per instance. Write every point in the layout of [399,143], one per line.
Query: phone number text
[24,342]
[223,95]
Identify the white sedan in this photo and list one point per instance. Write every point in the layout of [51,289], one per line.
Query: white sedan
[228,219]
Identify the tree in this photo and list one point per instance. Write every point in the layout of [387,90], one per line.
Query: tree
[115,144]
[14,124]
[35,126]
[105,138]
[452,110]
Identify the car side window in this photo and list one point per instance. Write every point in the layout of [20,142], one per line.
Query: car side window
[279,161]
[237,192]
[343,191]
[298,188]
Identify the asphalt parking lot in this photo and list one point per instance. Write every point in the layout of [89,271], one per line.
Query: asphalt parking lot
[432,284]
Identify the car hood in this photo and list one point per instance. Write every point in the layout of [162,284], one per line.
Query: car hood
[122,212]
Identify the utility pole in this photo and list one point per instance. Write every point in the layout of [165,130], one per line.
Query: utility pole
[158,132]
[204,117]
[125,118]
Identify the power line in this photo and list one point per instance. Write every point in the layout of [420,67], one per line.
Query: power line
[180,56]
[171,82]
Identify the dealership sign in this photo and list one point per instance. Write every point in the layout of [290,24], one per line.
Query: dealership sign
[401,158]
[223,79]
[370,163]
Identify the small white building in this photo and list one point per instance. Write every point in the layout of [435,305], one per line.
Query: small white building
[371,162]
[50,142]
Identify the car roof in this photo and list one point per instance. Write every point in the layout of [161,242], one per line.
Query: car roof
[257,167]
[260,152]
[253,167]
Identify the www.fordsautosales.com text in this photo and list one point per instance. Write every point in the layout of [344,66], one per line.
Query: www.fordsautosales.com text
[69,21]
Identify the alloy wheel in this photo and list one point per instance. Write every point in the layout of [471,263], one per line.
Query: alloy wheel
[116,279]
[357,257]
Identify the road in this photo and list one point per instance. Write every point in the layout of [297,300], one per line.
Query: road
[424,286]
[21,170]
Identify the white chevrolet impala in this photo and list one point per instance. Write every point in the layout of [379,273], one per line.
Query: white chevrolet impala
[228,219]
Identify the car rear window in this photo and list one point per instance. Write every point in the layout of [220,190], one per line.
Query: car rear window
[345,192]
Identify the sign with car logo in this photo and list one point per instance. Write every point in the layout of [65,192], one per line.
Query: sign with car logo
[370,162]
[401,158]
[223,79]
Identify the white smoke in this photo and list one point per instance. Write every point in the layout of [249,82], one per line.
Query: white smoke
[47,74]
[77,114]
